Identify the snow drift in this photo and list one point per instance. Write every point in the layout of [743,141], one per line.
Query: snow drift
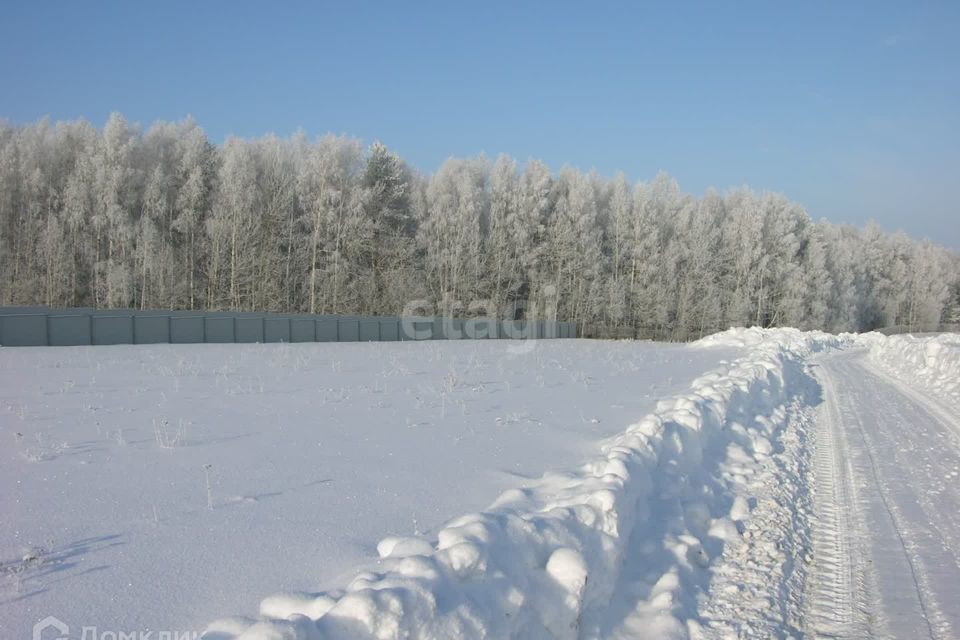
[549,560]
[931,362]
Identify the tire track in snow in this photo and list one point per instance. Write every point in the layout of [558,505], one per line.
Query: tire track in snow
[940,475]
[932,405]
[905,427]
[899,457]
[836,588]
[928,483]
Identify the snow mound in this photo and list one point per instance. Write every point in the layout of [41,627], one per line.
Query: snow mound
[549,560]
[931,362]
[798,343]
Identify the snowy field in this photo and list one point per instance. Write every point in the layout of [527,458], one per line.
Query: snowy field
[315,451]
[755,484]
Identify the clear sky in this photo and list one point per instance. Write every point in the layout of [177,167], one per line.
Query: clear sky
[853,109]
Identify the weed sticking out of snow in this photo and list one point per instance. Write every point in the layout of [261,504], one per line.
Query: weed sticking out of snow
[32,559]
[168,437]
[45,448]
[207,469]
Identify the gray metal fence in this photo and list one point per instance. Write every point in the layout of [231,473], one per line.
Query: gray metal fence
[40,326]
[902,329]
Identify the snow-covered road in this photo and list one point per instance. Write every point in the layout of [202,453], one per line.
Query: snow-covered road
[886,543]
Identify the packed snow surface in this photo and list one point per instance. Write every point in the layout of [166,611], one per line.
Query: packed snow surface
[318,454]
[756,484]
[887,555]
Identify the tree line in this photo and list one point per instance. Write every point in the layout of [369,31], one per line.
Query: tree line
[163,218]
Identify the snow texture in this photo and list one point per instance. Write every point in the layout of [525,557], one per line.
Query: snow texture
[618,546]
[804,486]
[931,362]
[314,454]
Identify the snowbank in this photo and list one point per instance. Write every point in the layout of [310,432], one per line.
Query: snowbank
[548,560]
[928,362]
[314,452]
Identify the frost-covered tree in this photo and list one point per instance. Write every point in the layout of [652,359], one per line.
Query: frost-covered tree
[150,249]
[113,218]
[528,226]
[329,188]
[697,288]
[951,311]
[504,270]
[234,230]
[276,282]
[781,280]
[817,283]
[165,219]
[452,231]
[574,262]
[387,254]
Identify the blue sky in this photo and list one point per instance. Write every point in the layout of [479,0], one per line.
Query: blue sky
[853,109]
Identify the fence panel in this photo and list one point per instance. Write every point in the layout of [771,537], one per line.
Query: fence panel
[186,329]
[303,330]
[151,329]
[416,329]
[479,328]
[326,329]
[68,331]
[23,330]
[389,330]
[369,330]
[220,330]
[276,330]
[550,330]
[249,329]
[348,330]
[459,328]
[436,329]
[112,329]
[516,329]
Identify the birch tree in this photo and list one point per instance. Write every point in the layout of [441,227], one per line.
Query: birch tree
[117,218]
